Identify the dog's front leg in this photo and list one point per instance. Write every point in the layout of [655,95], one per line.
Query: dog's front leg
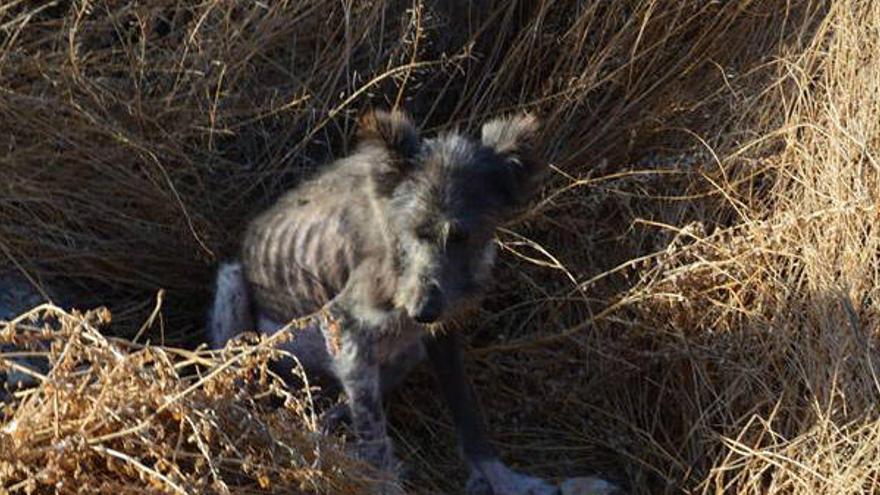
[358,372]
[352,345]
[489,476]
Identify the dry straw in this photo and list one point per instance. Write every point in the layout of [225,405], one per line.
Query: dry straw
[112,416]
[691,306]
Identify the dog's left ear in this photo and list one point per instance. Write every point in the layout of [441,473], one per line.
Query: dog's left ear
[393,130]
[395,133]
[513,141]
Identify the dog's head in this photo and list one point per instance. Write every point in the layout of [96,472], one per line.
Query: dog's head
[442,201]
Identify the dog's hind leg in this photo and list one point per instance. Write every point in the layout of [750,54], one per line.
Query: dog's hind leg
[231,312]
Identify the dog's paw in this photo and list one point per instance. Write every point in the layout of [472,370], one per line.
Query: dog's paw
[388,469]
[499,480]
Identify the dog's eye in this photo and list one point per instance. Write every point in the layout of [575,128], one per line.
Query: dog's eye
[457,235]
[424,234]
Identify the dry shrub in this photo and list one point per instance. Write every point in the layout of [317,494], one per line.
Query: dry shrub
[116,417]
[692,305]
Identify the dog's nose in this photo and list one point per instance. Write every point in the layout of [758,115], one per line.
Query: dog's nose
[429,309]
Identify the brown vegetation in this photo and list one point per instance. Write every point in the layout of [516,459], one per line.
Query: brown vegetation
[692,305]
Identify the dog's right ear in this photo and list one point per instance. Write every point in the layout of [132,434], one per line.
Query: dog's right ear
[512,139]
[394,132]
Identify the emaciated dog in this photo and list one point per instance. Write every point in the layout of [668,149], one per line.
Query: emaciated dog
[389,242]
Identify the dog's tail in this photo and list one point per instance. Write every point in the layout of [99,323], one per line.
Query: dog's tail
[231,312]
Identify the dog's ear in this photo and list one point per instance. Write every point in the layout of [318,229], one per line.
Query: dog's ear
[512,139]
[395,133]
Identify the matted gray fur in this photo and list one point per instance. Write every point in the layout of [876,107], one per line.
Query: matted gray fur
[388,241]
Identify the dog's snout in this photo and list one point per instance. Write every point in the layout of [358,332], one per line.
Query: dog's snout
[429,307]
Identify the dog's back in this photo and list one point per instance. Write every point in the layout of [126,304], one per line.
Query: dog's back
[299,254]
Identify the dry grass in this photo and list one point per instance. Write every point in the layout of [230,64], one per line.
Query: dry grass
[692,305]
[113,416]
